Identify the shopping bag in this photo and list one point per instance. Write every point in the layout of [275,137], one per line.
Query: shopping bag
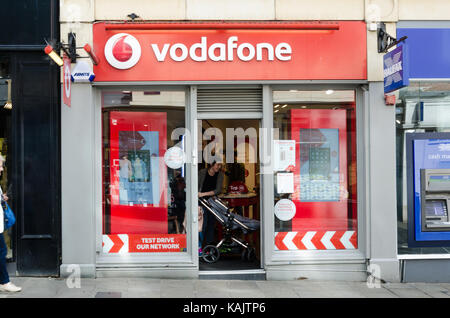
[8,215]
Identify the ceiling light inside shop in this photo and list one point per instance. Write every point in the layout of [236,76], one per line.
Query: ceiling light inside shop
[285,105]
[276,106]
[329,92]
[276,111]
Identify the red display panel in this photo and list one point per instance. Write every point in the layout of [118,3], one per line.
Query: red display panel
[138,175]
[320,175]
[211,54]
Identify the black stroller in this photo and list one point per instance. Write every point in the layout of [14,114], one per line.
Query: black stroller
[230,222]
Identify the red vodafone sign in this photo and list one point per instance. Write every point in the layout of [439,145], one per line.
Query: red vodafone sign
[122,51]
[140,52]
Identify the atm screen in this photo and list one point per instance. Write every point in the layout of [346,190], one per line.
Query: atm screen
[436,208]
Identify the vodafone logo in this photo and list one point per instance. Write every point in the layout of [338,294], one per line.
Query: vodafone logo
[122,51]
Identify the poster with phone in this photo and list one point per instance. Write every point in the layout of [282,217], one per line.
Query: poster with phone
[320,177]
[137,152]
[138,175]
[319,165]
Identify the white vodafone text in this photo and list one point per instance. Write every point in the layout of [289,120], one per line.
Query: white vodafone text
[222,51]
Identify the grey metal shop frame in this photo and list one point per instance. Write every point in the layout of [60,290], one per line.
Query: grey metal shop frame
[269,257]
[151,264]
[359,255]
[228,115]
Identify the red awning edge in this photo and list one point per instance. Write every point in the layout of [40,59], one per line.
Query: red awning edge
[250,25]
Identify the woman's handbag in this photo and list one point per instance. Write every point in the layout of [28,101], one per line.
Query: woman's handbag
[8,214]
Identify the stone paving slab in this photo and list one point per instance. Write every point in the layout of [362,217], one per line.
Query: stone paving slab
[194,288]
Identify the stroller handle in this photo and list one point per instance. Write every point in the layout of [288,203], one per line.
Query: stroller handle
[219,201]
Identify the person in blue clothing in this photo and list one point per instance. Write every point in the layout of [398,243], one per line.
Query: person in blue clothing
[5,284]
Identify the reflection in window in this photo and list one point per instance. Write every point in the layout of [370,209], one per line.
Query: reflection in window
[144,203]
[315,170]
[423,106]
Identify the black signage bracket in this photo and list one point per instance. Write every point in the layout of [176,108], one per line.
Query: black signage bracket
[385,41]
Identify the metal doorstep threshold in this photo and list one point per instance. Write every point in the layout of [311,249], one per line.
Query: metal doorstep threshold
[256,274]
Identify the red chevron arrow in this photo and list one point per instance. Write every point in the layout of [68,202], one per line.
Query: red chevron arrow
[279,240]
[354,240]
[316,240]
[298,240]
[336,240]
[118,243]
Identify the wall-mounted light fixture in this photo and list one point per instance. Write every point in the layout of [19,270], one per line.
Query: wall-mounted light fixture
[91,53]
[53,55]
[70,50]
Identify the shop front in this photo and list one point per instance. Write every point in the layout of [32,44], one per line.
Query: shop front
[422,122]
[281,106]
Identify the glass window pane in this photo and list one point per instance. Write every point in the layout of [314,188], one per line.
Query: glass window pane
[315,170]
[422,108]
[144,201]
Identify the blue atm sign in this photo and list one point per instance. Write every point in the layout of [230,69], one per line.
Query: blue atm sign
[395,68]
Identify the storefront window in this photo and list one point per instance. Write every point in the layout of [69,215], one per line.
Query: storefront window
[315,202]
[144,180]
[422,107]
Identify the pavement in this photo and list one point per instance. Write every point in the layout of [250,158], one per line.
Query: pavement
[200,288]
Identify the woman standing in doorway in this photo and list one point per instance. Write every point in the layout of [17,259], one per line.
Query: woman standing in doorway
[210,183]
[5,284]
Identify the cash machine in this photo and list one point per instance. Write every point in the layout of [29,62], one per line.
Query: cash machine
[428,190]
[435,198]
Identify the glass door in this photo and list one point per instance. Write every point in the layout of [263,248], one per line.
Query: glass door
[229,182]
[315,198]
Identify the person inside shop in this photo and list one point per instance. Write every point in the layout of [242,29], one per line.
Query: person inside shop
[178,189]
[210,183]
[236,173]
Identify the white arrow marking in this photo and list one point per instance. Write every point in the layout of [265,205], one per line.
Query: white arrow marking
[288,241]
[108,244]
[124,249]
[345,240]
[306,240]
[326,240]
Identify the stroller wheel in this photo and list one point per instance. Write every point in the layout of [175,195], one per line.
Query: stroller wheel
[210,254]
[248,254]
[251,254]
[244,254]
